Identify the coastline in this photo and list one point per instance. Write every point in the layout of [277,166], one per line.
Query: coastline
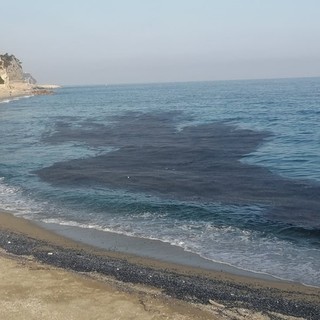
[9,94]
[210,292]
[23,89]
[150,249]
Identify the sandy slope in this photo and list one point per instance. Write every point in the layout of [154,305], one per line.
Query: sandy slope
[30,290]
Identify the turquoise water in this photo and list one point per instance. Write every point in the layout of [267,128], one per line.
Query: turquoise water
[227,170]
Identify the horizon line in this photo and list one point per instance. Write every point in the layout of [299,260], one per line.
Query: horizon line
[185,81]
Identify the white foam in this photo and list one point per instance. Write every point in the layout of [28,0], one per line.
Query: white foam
[13,201]
[15,98]
[242,249]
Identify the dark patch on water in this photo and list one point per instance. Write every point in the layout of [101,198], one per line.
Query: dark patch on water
[198,163]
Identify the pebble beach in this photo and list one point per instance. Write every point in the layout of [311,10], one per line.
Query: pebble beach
[53,274]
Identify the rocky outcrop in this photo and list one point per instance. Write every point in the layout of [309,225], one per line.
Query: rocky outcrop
[11,71]
[15,83]
[28,78]
[4,79]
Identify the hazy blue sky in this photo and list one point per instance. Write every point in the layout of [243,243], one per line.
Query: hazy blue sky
[126,41]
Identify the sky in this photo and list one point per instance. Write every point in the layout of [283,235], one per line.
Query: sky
[140,41]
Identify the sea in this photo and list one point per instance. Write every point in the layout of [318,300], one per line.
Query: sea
[227,170]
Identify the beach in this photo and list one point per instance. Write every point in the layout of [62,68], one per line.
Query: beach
[47,276]
[31,290]
[15,91]
[23,89]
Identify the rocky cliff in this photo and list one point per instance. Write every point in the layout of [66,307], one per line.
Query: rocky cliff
[11,71]
[15,83]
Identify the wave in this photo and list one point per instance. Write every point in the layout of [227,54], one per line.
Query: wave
[242,248]
[7,100]
[252,252]
[297,233]
[12,200]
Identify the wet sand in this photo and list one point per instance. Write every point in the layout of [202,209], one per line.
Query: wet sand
[47,276]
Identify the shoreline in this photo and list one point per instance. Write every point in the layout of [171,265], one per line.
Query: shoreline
[7,97]
[24,90]
[190,284]
[150,249]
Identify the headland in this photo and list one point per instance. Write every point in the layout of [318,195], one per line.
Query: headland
[14,82]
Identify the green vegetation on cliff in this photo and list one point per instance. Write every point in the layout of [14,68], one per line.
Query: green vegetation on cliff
[8,59]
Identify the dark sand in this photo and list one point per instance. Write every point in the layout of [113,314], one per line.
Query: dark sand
[179,291]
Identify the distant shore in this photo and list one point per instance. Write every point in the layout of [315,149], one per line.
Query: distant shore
[179,290]
[23,89]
